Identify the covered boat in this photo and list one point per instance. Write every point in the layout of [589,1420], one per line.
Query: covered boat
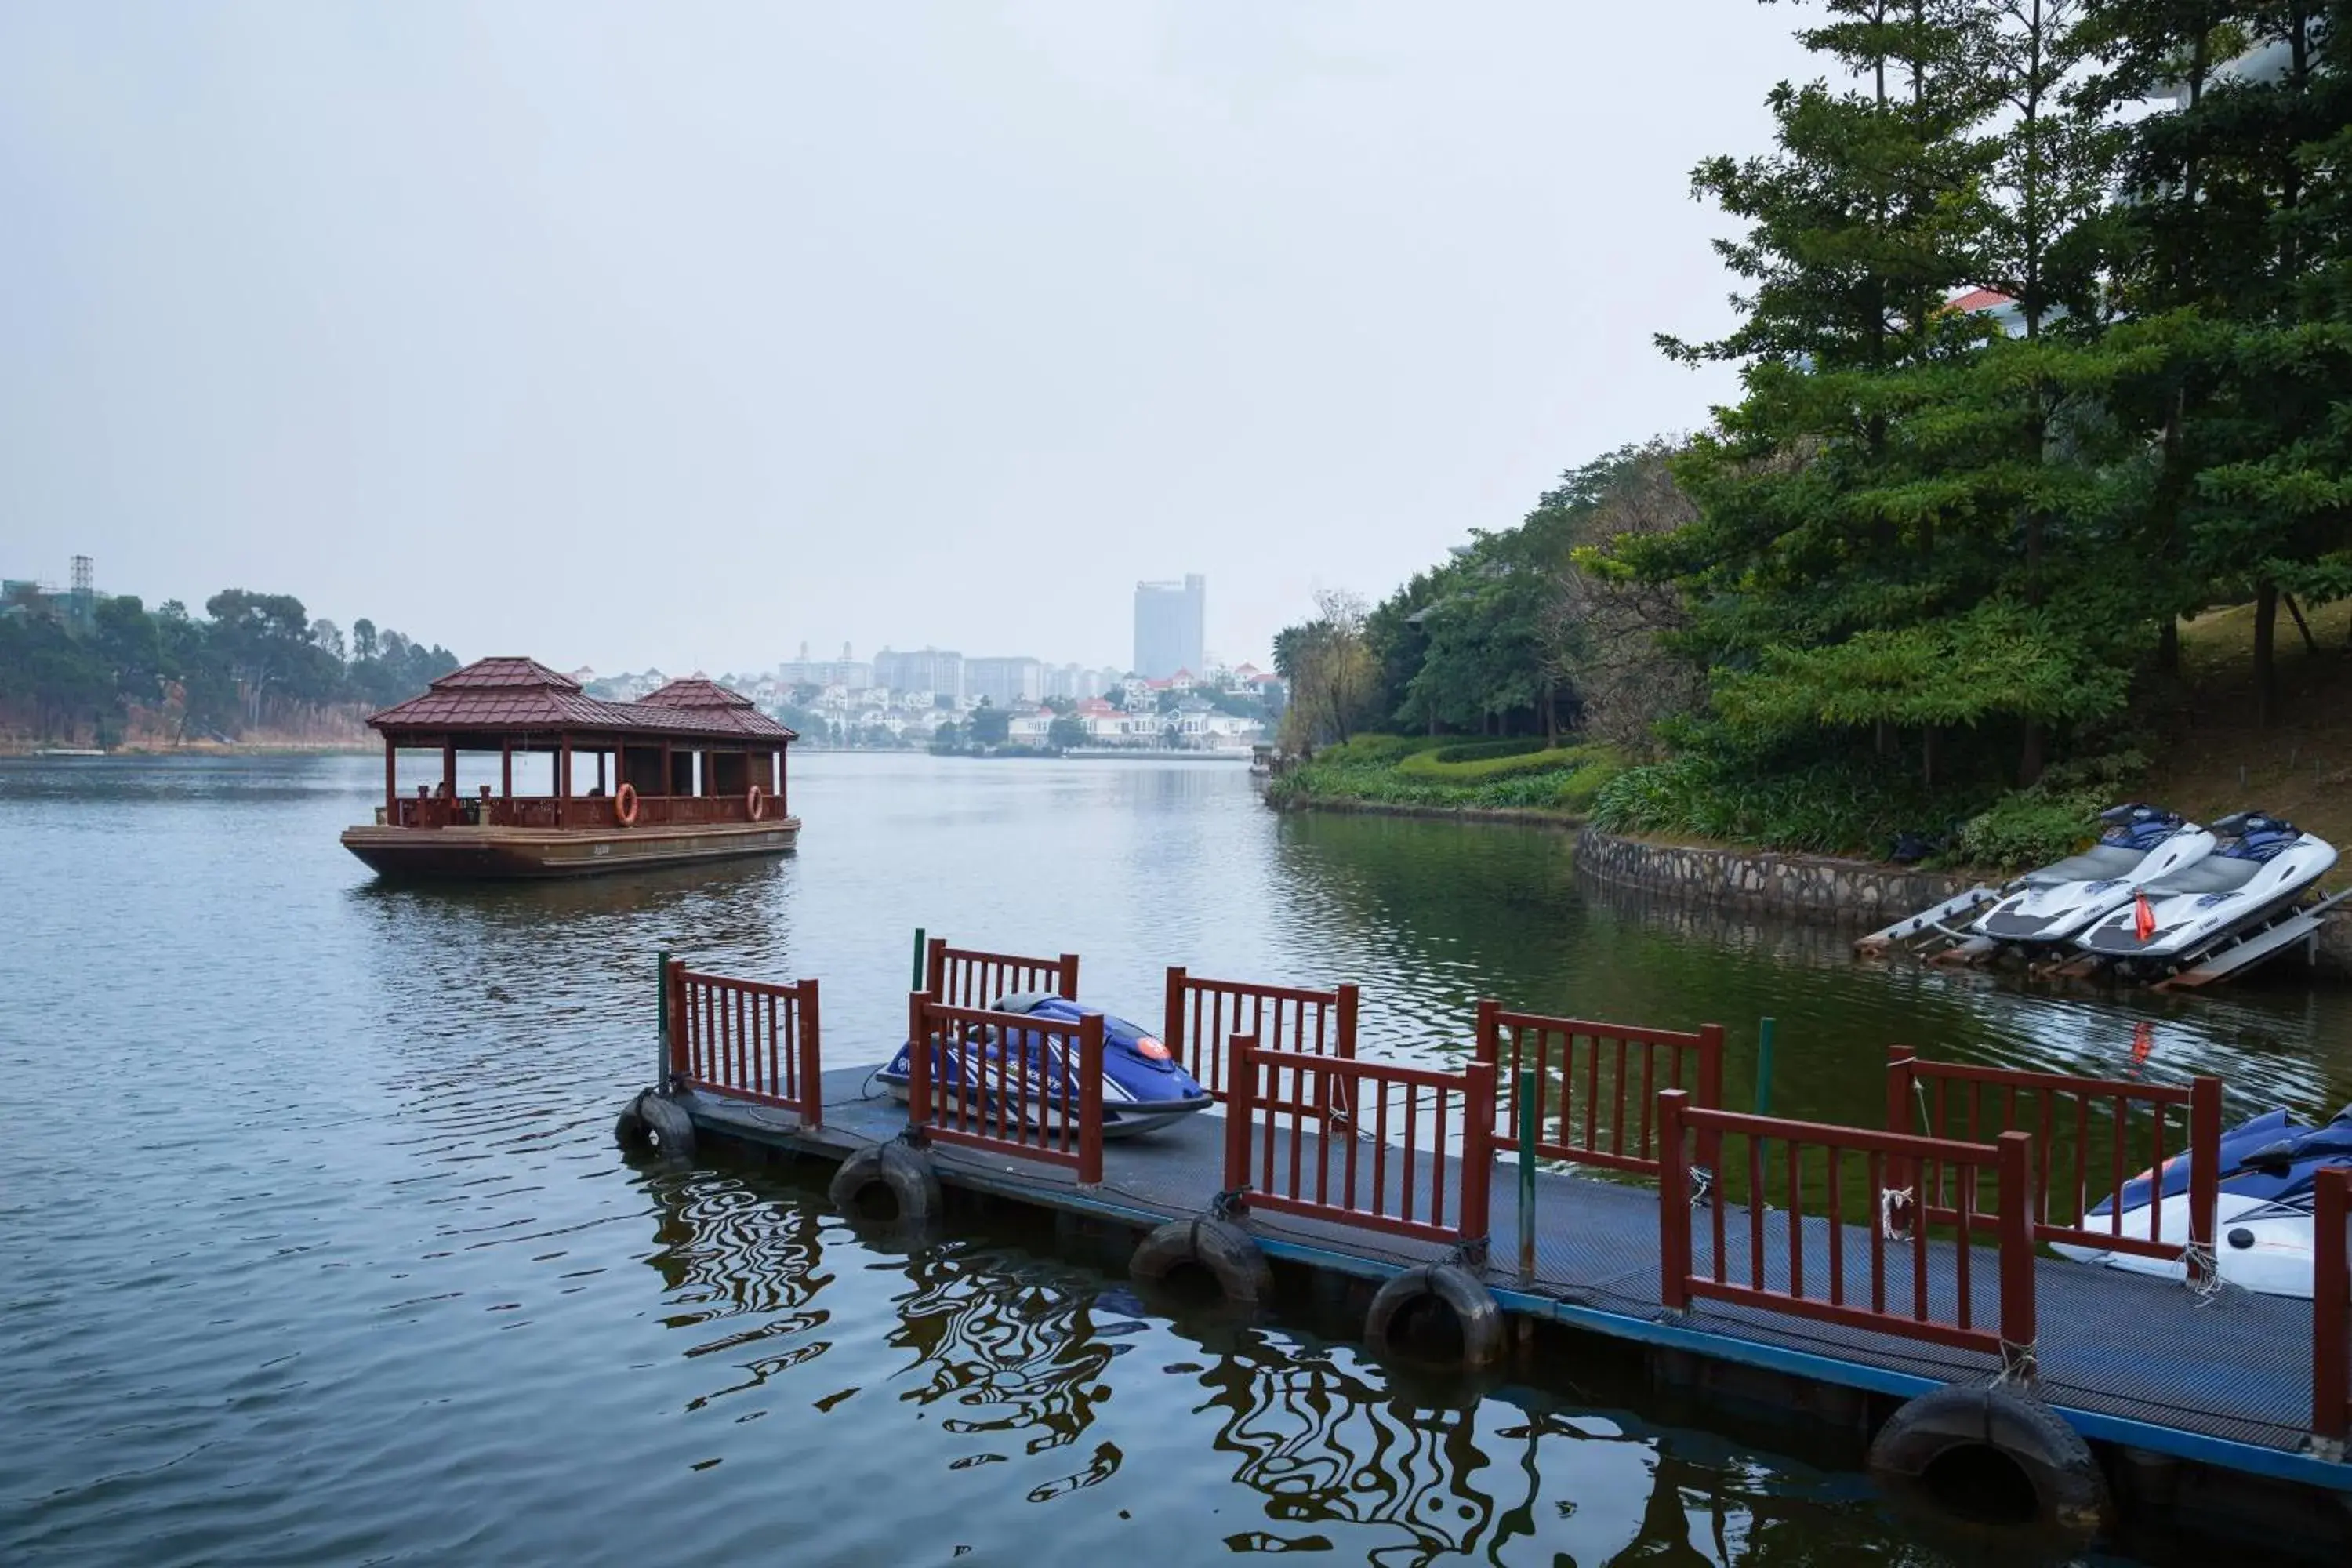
[694,772]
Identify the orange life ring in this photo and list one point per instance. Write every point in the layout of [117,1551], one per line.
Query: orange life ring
[756,803]
[625,804]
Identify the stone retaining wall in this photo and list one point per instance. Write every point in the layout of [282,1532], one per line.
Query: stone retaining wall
[1823,888]
[1865,894]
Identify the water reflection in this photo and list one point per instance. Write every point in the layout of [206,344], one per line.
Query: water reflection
[1015,1356]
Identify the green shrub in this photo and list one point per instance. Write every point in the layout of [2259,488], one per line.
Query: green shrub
[2031,828]
[1478,750]
[1440,767]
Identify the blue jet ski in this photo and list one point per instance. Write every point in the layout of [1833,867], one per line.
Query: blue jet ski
[2262,1220]
[1143,1087]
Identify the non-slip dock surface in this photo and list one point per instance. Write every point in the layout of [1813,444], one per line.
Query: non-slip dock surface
[2233,1365]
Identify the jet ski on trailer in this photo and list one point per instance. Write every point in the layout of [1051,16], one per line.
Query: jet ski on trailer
[2046,909]
[1143,1087]
[2259,876]
[2262,1219]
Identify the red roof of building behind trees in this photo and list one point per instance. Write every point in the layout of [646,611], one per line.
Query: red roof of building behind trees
[523,695]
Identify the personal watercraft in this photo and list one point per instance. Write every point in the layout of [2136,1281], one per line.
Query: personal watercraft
[2262,867]
[2049,906]
[2262,1219]
[1143,1087]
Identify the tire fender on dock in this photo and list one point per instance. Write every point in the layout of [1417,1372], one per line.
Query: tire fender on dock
[653,1123]
[1227,1253]
[1993,1461]
[1420,1302]
[890,1173]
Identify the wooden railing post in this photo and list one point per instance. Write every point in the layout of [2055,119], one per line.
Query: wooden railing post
[1346,1046]
[2017,1324]
[1241,1109]
[1172,1031]
[919,1054]
[1477,1151]
[1069,967]
[935,967]
[1710,1093]
[2204,1173]
[1090,1099]
[2331,1306]
[662,1067]
[811,1062]
[1902,1077]
[1674,1204]
[675,1021]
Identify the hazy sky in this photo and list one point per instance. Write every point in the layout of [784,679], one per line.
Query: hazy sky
[678,333]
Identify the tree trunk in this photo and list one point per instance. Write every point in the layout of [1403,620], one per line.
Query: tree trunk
[1927,756]
[2029,762]
[2266,654]
[2167,645]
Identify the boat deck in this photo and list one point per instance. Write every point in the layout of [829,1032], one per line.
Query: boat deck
[2224,1379]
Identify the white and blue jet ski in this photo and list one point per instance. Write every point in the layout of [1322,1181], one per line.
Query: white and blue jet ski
[2263,1218]
[2262,870]
[1143,1086]
[2044,911]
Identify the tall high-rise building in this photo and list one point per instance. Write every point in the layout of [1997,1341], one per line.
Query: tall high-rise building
[1169,622]
[936,670]
[1004,682]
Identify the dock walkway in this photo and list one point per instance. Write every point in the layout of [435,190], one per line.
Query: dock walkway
[2222,1379]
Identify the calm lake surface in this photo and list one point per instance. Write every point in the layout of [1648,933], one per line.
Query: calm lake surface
[319,1249]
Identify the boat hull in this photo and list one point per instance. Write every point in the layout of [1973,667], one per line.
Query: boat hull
[498,854]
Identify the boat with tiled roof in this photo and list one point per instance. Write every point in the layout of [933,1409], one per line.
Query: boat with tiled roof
[690,772]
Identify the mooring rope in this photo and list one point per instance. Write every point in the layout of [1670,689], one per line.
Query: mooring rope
[2019,1363]
[1888,1199]
[1702,1185]
[2204,1272]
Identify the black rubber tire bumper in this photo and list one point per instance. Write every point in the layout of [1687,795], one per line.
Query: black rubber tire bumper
[1226,1252]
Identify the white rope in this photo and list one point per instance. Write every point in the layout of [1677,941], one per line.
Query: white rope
[2018,1363]
[2204,1272]
[1702,1184]
[1888,1197]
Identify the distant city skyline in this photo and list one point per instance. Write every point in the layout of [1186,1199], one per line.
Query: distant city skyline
[1170,627]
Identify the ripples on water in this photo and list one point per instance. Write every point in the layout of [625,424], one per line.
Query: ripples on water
[319,1250]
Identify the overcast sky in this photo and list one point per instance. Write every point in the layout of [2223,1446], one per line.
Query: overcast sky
[679,333]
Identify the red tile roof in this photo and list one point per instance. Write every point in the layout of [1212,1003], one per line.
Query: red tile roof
[523,695]
[1979,299]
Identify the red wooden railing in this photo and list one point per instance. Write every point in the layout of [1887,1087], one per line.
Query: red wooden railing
[1897,1292]
[1204,1016]
[1598,1084]
[747,1038]
[575,811]
[962,977]
[969,1080]
[2331,1306]
[2071,1141]
[1391,1172]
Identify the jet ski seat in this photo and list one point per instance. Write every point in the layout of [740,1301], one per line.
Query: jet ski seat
[2099,863]
[2214,874]
[1020,1000]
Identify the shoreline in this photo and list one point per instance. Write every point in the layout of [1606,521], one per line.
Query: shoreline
[13,750]
[1514,816]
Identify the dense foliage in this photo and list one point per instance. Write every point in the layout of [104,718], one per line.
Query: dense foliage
[2045,343]
[253,661]
[1394,770]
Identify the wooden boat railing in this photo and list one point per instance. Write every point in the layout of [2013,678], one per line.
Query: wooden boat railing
[588,810]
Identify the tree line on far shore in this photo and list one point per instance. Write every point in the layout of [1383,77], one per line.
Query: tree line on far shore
[251,662]
[2045,343]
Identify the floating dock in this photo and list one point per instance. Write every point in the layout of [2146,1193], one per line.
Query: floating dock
[1820,1270]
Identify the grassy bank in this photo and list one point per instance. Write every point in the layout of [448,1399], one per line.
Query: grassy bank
[1440,775]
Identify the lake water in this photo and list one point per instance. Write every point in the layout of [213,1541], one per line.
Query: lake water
[319,1250]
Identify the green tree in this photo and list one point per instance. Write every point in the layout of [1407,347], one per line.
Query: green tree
[990,724]
[1067,732]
